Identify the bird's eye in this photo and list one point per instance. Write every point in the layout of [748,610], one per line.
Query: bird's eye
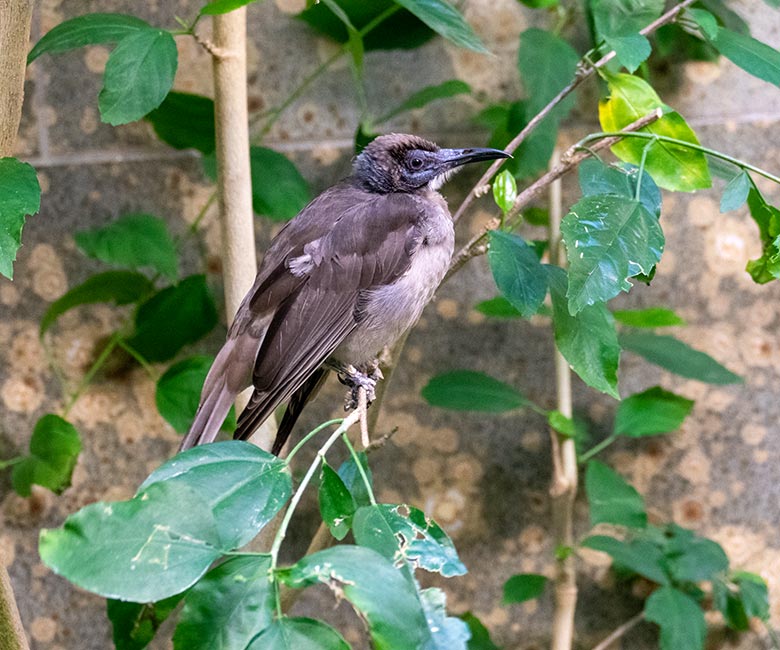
[416,163]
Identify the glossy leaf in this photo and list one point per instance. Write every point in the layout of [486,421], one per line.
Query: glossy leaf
[677,357]
[447,632]
[350,474]
[223,6]
[638,556]
[228,607]
[468,390]
[172,318]
[736,192]
[650,317]
[20,197]
[138,75]
[680,618]
[134,241]
[178,393]
[611,499]
[135,624]
[400,30]
[427,95]
[298,634]
[279,191]
[55,446]
[400,531]
[498,307]
[148,548]
[117,287]
[651,412]
[504,190]
[517,272]
[240,483]
[562,424]
[337,505]
[185,121]
[755,57]
[620,180]
[385,598]
[480,637]
[89,29]
[588,341]
[673,167]
[609,239]
[524,586]
[446,21]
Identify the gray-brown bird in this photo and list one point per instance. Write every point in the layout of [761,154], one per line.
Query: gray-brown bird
[347,276]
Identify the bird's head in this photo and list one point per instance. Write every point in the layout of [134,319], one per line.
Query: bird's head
[407,163]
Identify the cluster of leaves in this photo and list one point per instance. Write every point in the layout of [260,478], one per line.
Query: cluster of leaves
[151,552]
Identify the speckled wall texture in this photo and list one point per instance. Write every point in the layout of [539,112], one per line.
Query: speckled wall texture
[483,478]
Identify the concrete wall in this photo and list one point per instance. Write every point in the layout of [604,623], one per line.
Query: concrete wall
[483,478]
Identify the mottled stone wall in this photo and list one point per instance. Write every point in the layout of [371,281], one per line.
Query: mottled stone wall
[483,478]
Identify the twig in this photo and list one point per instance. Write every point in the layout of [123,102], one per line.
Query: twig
[620,631]
[573,156]
[12,636]
[583,72]
[15,20]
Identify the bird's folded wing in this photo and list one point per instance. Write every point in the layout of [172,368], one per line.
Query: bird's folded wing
[369,246]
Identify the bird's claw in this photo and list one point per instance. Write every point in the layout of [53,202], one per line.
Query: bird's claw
[355,380]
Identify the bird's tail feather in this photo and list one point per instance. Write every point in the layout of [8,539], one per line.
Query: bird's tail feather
[211,414]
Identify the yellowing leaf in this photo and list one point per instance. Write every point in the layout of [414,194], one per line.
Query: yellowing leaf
[673,167]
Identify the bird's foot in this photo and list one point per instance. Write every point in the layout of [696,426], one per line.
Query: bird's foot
[356,380]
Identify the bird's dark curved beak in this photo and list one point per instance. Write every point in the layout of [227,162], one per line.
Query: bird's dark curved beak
[452,158]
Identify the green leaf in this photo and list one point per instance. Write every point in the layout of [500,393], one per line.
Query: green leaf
[172,318]
[222,6]
[620,180]
[736,192]
[609,239]
[153,546]
[677,357]
[539,4]
[524,586]
[337,505]
[298,634]
[691,558]
[446,21]
[547,64]
[279,192]
[651,412]
[400,531]
[706,22]
[118,287]
[562,424]
[638,556]
[20,196]
[480,637]
[185,121]
[767,217]
[753,594]
[650,317]
[178,393]
[228,607]
[504,191]
[588,341]
[619,23]
[354,44]
[135,624]
[468,390]
[240,483]
[727,601]
[138,75]
[498,307]
[134,241]
[427,95]
[673,167]
[447,632]
[89,29]
[54,449]
[385,598]
[611,499]
[517,272]
[754,57]
[400,30]
[680,618]
[350,474]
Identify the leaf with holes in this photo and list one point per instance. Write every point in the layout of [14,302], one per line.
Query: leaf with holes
[337,505]
[20,197]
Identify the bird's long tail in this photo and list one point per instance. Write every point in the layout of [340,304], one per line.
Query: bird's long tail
[298,400]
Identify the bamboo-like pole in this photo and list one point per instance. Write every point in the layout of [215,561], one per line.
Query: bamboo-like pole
[234,182]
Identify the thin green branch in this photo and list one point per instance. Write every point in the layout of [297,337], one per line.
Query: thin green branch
[596,449]
[361,470]
[310,435]
[11,461]
[86,380]
[139,358]
[642,164]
